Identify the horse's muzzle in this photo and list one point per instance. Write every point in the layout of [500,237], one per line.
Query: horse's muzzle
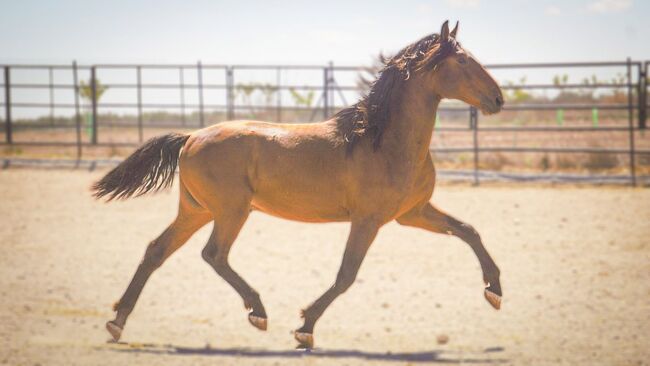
[492,105]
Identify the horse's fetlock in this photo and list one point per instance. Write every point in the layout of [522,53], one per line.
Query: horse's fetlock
[255,296]
[470,232]
[306,314]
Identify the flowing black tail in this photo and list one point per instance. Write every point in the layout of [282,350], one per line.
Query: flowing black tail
[150,168]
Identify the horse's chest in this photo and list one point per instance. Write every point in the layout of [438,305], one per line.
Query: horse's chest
[393,194]
[417,188]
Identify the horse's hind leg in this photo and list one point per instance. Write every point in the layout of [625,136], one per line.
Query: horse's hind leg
[227,225]
[430,218]
[188,221]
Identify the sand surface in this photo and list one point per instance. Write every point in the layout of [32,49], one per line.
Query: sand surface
[575,266]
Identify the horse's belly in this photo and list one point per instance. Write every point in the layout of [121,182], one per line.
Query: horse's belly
[298,206]
[303,182]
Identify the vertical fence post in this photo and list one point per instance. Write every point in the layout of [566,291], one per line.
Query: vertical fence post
[182,82]
[278,115]
[77,112]
[473,122]
[643,90]
[630,117]
[51,87]
[93,93]
[139,86]
[230,96]
[8,134]
[325,92]
[330,88]
[199,72]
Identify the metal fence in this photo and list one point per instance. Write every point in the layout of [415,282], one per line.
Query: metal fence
[635,84]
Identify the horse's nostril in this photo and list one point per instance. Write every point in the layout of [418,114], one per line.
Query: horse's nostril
[499,101]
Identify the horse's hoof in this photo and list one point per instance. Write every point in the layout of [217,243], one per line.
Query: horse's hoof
[114,330]
[305,340]
[492,298]
[257,321]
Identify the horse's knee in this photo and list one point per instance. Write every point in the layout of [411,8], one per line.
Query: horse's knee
[471,233]
[464,231]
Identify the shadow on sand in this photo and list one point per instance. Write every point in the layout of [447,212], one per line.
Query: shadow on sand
[435,356]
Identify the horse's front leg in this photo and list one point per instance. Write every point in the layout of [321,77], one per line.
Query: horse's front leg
[362,234]
[430,218]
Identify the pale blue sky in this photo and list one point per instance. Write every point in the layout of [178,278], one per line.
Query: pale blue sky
[347,32]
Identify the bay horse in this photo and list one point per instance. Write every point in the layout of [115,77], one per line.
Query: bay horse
[368,165]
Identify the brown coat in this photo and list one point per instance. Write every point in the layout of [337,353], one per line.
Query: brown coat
[369,164]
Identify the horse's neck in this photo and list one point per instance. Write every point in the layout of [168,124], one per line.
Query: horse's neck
[408,135]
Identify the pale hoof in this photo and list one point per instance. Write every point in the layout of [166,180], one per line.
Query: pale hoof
[492,298]
[306,340]
[257,321]
[114,330]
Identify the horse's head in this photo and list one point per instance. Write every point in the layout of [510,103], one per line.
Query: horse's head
[457,74]
[434,66]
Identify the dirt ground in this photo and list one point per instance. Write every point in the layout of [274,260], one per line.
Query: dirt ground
[575,264]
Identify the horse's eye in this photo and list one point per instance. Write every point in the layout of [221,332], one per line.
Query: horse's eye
[462,60]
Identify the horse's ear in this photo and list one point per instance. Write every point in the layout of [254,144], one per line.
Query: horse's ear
[454,31]
[444,32]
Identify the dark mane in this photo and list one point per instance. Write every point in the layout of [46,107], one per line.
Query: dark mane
[372,113]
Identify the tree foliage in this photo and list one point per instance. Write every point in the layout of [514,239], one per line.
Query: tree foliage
[86,91]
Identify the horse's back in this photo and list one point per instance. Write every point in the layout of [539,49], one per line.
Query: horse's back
[296,171]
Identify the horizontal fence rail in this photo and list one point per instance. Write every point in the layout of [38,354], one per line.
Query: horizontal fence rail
[634,82]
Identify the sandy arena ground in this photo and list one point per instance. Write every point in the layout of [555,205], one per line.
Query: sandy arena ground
[575,266]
